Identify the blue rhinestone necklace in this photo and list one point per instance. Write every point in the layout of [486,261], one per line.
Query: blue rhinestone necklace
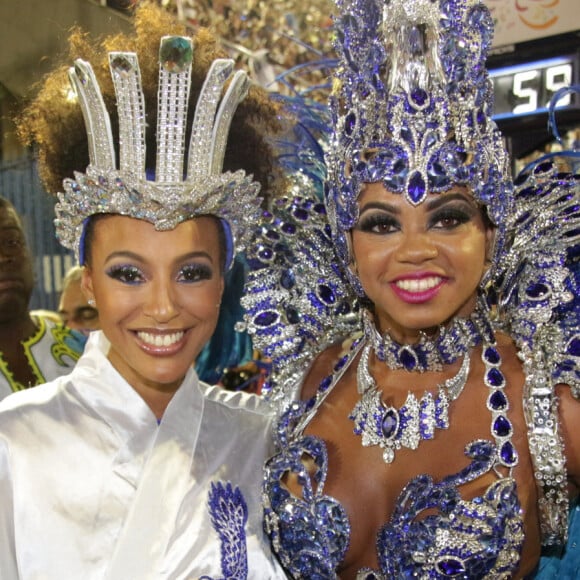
[416,421]
[387,425]
[498,404]
[451,343]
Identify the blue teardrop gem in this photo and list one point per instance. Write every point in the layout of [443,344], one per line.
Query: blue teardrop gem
[288,228]
[417,188]
[287,279]
[265,254]
[573,347]
[300,214]
[326,294]
[498,401]
[508,454]
[408,358]
[419,96]
[502,427]
[292,315]
[491,355]
[495,378]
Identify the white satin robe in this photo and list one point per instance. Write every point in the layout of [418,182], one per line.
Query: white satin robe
[91,487]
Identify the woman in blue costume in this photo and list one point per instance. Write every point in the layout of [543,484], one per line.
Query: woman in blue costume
[423,323]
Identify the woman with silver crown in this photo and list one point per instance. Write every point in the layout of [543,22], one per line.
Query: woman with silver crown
[437,438]
[130,467]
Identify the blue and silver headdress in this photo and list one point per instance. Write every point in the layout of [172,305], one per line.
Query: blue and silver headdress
[176,193]
[412,107]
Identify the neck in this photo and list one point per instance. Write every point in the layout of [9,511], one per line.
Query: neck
[157,395]
[404,335]
[15,331]
[157,400]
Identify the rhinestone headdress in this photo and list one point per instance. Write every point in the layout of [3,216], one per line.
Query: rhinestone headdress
[175,193]
[412,107]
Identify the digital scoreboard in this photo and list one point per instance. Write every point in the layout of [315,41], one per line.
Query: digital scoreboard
[528,88]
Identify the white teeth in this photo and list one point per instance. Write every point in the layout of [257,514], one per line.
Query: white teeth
[160,339]
[419,285]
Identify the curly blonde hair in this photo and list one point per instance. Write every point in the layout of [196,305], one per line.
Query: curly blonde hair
[54,124]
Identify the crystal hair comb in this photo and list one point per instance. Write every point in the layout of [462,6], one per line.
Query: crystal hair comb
[170,197]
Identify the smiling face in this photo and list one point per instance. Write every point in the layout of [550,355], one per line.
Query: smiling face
[419,265]
[158,295]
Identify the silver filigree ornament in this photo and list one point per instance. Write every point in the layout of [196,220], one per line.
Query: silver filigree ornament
[169,198]
[412,109]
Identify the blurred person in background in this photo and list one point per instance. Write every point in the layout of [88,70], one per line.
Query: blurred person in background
[33,348]
[74,309]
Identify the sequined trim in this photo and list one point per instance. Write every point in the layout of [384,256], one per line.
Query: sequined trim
[546,449]
[229,515]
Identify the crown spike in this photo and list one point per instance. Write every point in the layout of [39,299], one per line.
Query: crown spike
[131,107]
[200,145]
[96,117]
[236,93]
[175,58]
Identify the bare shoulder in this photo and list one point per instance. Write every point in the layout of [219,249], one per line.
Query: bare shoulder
[323,366]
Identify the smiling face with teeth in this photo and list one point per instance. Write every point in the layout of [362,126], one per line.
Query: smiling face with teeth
[419,265]
[158,295]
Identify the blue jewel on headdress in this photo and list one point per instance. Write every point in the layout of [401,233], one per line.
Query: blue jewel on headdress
[573,346]
[326,294]
[417,188]
[538,291]
[267,318]
[451,566]
[287,279]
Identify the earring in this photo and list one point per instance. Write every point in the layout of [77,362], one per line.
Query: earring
[92,302]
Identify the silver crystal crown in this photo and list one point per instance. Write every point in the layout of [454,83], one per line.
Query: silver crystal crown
[171,196]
